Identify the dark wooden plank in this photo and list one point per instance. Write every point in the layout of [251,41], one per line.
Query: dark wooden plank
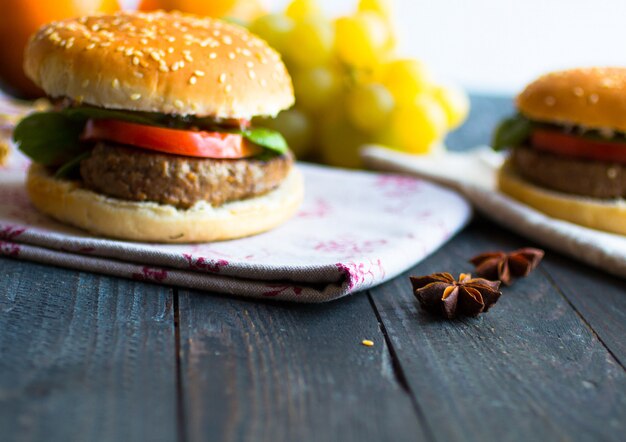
[267,371]
[84,357]
[530,369]
[599,298]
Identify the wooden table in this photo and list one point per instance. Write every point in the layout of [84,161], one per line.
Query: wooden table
[92,357]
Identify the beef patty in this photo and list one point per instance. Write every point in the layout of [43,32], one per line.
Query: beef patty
[141,175]
[596,179]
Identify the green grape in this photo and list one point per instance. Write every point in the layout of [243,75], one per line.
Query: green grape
[273,28]
[405,79]
[311,42]
[339,141]
[295,126]
[315,88]
[369,106]
[300,9]
[361,39]
[416,127]
[454,102]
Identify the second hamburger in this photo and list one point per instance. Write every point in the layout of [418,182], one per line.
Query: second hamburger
[568,147]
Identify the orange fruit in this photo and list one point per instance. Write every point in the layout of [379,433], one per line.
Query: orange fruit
[21,18]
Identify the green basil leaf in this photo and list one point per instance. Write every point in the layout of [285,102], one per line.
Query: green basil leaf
[511,132]
[267,138]
[49,138]
[72,167]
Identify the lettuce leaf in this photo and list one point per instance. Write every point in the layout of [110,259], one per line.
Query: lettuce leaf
[267,138]
[52,138]
[511,132]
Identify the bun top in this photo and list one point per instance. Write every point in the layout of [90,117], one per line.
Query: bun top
[592,97]
[170,63]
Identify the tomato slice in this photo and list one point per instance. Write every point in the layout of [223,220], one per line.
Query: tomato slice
[175,141]
[577,146]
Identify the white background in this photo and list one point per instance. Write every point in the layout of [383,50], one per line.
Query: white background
[500,45]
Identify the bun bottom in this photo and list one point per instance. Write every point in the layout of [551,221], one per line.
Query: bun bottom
[607,215]
[70,203]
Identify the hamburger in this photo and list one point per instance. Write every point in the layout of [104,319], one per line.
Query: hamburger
[150,137]
[568,147]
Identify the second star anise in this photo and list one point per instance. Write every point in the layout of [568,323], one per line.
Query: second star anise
[441,293]
[506,266]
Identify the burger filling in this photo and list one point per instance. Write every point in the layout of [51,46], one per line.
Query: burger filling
[142,156]
[570,159]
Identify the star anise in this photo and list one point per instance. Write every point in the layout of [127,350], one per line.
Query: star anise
[506,266]
[441,293]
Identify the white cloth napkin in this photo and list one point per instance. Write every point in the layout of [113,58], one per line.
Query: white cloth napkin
[354,230]
[473,174]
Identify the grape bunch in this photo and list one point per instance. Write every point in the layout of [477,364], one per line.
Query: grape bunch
[351,88]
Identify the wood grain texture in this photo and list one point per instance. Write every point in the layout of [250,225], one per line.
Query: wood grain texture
[84,357]
[598,297]
[530,369]
[271,372]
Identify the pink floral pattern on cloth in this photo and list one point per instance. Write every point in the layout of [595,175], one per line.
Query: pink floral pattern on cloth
[355,230]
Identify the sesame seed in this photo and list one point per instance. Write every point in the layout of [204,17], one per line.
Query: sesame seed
[227,40]
[179,104]
[250,64]
[228,88]
[115,83]
[192,80]
[135,60]
[135,97]
[263,82]
[222,78]
[367,343]
[246,52]
[212,55]
[251,74]
[594,98]
[199,73]
[174,66]
[144,41]
[578,91]
[90,46]
[231,55]
[155,56]
[138,74]
[188,58]
[171,39]
[164,68]
[170,50]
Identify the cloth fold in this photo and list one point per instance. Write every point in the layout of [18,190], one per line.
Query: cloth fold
[354,230]
[473,174]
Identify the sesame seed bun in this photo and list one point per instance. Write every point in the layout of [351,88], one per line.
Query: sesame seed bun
[169,63]
[607,215]
[590,97]
[69,202]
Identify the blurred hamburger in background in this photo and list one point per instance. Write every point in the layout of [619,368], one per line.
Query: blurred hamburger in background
[568,147]
[150,138]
